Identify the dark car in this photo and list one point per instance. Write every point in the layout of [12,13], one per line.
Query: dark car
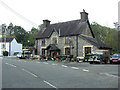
[115,58]
[96,58]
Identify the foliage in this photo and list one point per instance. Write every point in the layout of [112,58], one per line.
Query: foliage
[106,35]
[5,53]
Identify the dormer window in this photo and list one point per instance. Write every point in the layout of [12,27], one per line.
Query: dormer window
[43,42]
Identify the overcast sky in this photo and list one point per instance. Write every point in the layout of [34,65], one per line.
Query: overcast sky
[30,13]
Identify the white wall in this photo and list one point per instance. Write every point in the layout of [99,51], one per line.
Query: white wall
[2,49]
[15,47]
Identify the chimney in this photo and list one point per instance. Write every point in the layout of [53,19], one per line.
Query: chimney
[84,16]
[46,23]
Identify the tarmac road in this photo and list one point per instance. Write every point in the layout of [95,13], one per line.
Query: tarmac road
[18,73]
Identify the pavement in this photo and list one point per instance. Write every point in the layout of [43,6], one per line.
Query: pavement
[20,73]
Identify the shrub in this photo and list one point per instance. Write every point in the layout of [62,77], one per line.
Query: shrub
[5,53]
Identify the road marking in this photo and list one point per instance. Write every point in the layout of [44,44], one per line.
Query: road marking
[10,64]
[110,75]
[54,64]
[85,70]
[105,65]
[38,62]
[64,66]
[30,73]
[75,68]
[50,84]
[45,62]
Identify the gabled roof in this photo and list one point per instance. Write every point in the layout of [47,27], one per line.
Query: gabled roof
[69,28]
[52,47]
[7,39]
[95,42]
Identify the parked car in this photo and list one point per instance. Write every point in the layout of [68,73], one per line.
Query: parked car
[96,58]
[87,57]
[19,55]
[115,58]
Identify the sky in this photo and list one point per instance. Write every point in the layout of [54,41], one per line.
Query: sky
[31,13]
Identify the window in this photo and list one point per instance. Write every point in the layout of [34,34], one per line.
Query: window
[3,45]
[43,52]
[43,42]
[67,51]
[67,40]
[87,50]
[54,40]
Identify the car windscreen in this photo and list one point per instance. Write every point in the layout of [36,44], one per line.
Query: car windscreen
[116,56]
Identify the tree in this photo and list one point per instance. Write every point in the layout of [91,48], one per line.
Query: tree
[106,35]
[10,29]
[21,35]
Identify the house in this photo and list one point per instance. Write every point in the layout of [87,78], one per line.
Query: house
[11,46]
[68,38]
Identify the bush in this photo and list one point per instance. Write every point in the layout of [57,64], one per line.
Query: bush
[5,53]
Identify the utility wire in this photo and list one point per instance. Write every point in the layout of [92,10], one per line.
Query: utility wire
[17,14]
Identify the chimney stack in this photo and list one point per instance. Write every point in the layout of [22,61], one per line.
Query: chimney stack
[46,23]
[84,16]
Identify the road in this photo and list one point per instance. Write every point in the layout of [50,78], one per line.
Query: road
[19,73]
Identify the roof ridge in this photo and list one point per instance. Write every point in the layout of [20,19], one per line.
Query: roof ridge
[65,22]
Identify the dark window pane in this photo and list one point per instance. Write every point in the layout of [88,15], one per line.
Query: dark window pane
[67,51]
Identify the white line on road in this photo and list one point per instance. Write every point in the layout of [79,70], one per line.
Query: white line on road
[75,68]
[64,66]
[10,64]
[54,64]
[45,62]
[50,84]
[30,73]
[85,70]
[110,75]
[105,65]
[38,62]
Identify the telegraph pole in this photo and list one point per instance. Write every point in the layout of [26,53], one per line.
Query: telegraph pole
[4,28]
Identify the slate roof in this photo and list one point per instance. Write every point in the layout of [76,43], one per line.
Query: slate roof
[95,42]
[7,39]
[69,28]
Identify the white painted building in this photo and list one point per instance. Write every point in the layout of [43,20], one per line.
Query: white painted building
[11,46]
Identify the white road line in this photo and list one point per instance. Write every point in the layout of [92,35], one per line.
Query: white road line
[45,62]
[10,64]
[64,66]
[85,70]
[50,84]
[75,68]
[106,65]
[54,64]
[110,75]
[30,73]
[38,62]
